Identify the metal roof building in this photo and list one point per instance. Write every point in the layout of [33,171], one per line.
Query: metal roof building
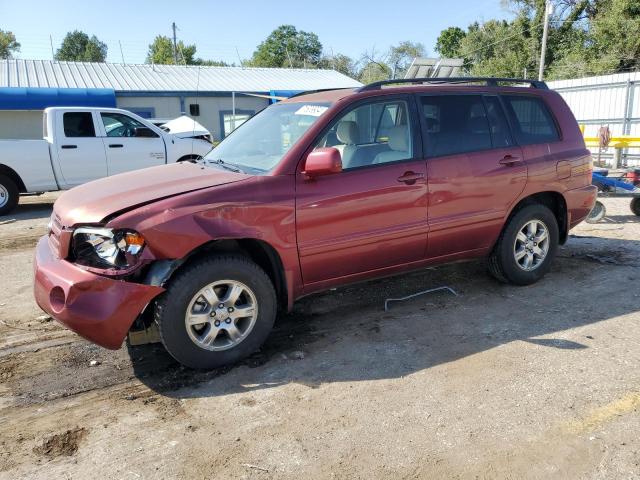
[218,97]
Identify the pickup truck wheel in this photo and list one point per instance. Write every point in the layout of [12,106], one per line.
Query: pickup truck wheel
[526,248]
[216,311]
[9,195]
[635,206]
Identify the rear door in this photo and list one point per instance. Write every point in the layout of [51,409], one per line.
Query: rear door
[80,152]
[373,214]
[124,150]
[475,170]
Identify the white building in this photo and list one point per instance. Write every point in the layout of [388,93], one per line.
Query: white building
[607,100]
[211,95]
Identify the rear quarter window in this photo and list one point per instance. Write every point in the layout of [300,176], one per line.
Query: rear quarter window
[531,120]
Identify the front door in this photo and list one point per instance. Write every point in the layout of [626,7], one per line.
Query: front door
[373,214]
[80,152]
[476,172]
[125,151]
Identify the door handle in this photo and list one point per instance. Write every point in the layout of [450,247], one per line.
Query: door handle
[69,146]
[115,145]
[410,177]
[510,160]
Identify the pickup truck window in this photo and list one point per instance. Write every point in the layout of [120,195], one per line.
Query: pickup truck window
[78,124]
[119,125]
[259,144]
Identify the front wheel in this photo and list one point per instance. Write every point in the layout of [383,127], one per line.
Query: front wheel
[526,248]
[9,195]
[216,311]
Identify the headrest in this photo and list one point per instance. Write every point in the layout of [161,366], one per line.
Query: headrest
[348,132]
[478,125]
[398,140]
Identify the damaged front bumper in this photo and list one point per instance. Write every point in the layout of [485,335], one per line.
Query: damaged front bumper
[98,308]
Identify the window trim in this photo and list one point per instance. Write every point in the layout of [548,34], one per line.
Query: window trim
[415,126]
[510,119]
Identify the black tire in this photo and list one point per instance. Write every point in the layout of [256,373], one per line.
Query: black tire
[502,262]
[172,306]
[597,213]
[9,195]
[635,206]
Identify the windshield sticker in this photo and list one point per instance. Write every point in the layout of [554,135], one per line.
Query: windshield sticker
[312,110]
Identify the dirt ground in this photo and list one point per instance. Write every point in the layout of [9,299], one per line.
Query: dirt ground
[498,382]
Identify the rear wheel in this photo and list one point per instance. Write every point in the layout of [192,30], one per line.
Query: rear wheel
[635,206]
[9,195]
[216,311]
[526,248]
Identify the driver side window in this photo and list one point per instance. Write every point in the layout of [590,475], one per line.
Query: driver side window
[371,134]
[119,125]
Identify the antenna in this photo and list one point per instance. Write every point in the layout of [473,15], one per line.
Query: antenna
[121,52]
[239,59]
[53,57]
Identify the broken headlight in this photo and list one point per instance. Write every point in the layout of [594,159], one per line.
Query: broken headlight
[106,248]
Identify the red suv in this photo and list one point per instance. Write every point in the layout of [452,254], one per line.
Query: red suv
[324,189]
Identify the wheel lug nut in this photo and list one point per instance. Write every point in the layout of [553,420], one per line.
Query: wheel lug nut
[221,305]
[228,320]
[217,323]
[230,309]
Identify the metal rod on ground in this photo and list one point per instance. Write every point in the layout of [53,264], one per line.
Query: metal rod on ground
[389,300]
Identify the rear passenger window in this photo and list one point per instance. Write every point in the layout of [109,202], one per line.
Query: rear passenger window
[371,134]
[78,124]
[455,124]
[531,120]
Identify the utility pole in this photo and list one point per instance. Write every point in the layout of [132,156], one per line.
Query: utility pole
[548,8]
[175,44]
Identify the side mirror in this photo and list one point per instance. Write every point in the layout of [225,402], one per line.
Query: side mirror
[323,161]
[144,132]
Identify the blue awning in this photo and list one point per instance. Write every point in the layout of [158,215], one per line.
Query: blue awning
[283,93]
[16,98]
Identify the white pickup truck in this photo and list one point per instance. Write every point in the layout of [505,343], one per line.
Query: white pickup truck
[84,144]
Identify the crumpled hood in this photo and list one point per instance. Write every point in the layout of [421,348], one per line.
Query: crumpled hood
[185,127]
[94,201]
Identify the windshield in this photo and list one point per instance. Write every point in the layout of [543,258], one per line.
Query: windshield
[261,142]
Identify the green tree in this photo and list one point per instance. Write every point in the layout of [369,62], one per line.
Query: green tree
[161,52]
[400,57]
[8,44]
[448,43]
[498,48]
[288,47]
[78,47]
[340,63]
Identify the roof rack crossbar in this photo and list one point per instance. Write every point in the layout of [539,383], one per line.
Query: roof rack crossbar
[488,81]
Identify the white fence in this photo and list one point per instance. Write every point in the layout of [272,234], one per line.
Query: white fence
[609,100]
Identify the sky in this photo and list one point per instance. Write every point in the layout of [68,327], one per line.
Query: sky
[232,29]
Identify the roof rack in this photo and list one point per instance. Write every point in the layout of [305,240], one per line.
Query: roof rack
[488,81]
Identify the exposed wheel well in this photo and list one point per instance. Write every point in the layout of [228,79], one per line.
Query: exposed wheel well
[263,254]
[11,173]
[555,202]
